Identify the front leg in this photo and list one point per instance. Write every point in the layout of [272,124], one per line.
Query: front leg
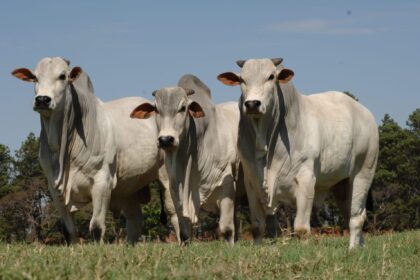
[65,216]
[168,201]
[182,225]
[257,213]
[304,184]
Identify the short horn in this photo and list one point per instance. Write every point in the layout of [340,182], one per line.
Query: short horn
[240,63]
[277,61]
[189,91]
[154,92]
[67,61]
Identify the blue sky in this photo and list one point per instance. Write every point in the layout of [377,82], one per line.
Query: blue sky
[130,48]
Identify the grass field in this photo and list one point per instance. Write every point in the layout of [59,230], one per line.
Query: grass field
[391,256]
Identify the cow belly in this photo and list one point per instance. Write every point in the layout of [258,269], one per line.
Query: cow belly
[127,186]
[331,174]
[80,188]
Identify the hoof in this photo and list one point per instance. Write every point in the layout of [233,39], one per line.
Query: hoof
[96,234]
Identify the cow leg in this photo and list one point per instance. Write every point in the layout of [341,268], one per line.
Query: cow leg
[359,191]
[305,193]
[227,216]
[182,225]
[69,229]
[132,212]
[66,217]
[342,197]
[170,208]
[101,196]
[169,204]
[257,214]
[185,230]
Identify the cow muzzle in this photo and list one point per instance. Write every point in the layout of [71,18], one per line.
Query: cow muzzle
[42,103]
[253,107]
[166,142]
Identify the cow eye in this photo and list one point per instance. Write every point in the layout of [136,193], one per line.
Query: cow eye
[182,109]
[271,77]
[62,77]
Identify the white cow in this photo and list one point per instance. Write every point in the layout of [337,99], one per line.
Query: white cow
[295,148]
[91,151]
[199,140]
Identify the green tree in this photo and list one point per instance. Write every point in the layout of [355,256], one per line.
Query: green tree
[413,122]
[5,170]
[23,208]
[27,163]
[396,184]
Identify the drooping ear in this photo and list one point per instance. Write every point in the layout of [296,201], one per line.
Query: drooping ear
[24,74]
[75,73]
[195,110]
[285,75]
[143,111]
[229,79]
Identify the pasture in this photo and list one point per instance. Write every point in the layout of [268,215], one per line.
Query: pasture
[389,256]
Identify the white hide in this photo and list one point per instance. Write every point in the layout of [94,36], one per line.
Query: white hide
[297,147]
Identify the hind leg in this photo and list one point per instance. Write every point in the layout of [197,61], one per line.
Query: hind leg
[342,195]
[134,219]
[227,213]
[360,186]
[101,196]
[359,191]
[305,193]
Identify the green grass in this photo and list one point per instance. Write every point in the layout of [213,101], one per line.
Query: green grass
[392,256]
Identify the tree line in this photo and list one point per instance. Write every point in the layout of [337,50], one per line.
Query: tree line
[27,214]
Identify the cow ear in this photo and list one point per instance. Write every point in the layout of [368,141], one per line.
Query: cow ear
[285,75]
[195,110]
[75,73]
[24,74]
[229,79]
[143,111]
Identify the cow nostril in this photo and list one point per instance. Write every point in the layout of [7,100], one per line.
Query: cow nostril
[42,99]
[252,104]
[165,141]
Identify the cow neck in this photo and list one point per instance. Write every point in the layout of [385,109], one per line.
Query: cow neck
[281,136]
[283,120]
[181,166]
[67,133]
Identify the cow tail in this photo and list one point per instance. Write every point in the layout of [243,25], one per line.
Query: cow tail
[163,217]
[369,201]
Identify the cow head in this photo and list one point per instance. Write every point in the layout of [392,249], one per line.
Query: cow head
[173,110]
[51,78]
[258,79]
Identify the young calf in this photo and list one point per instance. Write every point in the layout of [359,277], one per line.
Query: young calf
[199,140]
